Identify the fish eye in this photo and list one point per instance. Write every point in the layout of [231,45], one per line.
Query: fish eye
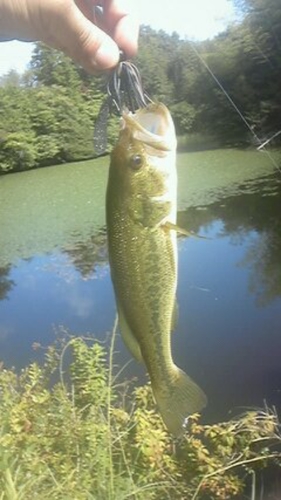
[136,162]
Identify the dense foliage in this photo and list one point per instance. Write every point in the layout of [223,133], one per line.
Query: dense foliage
[82,437]
[48,114]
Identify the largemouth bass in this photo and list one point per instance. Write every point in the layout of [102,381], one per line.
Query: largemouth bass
[141,223]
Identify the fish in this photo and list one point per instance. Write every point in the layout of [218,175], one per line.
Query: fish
[141,210]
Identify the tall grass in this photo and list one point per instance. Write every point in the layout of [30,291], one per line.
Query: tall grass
[81,437]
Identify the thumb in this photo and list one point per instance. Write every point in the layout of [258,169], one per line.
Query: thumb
[82,40]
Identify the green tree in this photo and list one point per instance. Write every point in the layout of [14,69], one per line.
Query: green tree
[12,78]
[17,152]
[52,67]
[62,124]
[155,54]
[17,140]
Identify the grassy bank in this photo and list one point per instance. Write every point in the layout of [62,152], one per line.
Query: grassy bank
[83,437]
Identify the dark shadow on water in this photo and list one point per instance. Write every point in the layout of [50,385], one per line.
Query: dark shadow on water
[255,210]
[6,284]
[86,256]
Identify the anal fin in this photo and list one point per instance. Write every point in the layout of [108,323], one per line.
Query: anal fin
[127,335]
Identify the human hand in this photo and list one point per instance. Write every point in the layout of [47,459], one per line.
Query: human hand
[91,37]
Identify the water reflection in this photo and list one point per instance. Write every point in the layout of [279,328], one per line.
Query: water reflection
[86,256]
[255,210]
[6,284]
[228,335]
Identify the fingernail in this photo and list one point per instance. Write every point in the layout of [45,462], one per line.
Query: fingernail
[107,56]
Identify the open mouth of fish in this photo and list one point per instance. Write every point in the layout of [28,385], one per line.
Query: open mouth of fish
[152,126]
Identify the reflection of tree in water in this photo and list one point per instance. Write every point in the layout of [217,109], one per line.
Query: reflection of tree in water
[264,258]
[257,209]
[89,254]
[6,284]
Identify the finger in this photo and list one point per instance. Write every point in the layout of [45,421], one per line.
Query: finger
[126,35]
[84,42]
[122,25]
[87,8]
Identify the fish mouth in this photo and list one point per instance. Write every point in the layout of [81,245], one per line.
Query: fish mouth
[153,126]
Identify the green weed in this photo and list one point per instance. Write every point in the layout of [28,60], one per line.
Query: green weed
[82,438]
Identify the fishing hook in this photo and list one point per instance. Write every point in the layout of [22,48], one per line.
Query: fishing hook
[124,92]
[124,87]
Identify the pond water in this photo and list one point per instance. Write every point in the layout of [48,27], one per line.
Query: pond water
[54,271]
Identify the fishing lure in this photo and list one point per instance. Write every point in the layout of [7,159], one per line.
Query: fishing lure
[124,92]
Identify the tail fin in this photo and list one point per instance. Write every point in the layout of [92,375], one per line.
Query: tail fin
[178,398]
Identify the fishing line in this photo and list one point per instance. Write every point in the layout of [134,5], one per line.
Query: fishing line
[259,141]
[269,140]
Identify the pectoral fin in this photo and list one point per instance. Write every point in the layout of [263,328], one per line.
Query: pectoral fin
[127,335]
[169,226]
[148,214]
